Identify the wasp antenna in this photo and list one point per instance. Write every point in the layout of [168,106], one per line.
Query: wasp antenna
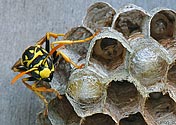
[21,74]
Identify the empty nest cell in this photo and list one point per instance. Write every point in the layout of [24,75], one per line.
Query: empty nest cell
[62,113]
[123,94]
[129,23]
[99,15]
[161,108]
[133,119]
[98,119]
[122,99]
[109,52]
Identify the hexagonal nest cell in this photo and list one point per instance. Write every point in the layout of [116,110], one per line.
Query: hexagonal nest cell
[122,99]
[99,15]
[109,52]
[161,108]
[163,24]
[133,119]
[148,63]
[118,96]
[130,22]
[61,112]
[98,119]
[162,29]
[86,92]
[62,72]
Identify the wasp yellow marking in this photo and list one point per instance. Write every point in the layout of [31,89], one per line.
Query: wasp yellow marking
[39,53]
[26,57]
[46,64]
[31,51]
[36,71]
[45,73]
[38,64]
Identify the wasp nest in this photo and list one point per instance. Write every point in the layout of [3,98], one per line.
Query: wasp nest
[129,77]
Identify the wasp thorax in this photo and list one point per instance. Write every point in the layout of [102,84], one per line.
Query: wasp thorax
[33,56]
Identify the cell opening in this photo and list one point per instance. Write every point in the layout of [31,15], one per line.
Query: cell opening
[161,108]
[123,95]
[109,52]
[61,112]
[129,23]
[133,119]
[99,15]
[163,25]
[155,95]
[98,119]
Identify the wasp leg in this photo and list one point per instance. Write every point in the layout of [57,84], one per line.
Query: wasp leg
[46,39]
[31,87]
[37,91]
[18,67]
[73,41]
[66,58]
